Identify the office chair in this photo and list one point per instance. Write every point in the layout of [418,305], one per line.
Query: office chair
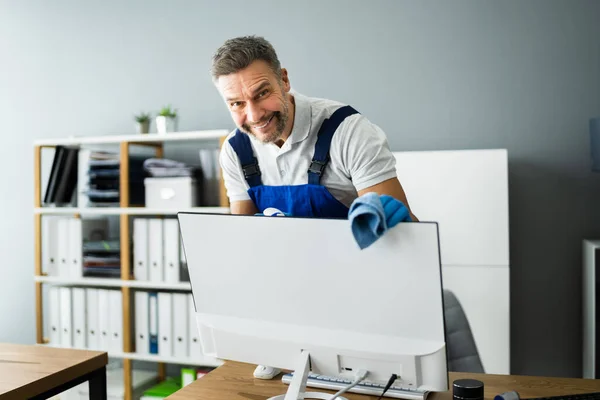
[462,351]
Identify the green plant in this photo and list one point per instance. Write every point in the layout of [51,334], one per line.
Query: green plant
[142,117]
[167,111]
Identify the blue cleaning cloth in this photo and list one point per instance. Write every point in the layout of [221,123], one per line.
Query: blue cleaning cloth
[372,214]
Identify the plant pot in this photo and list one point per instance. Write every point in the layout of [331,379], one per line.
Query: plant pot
[143,127]
[166,124]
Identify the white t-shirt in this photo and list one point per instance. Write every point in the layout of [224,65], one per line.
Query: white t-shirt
[360,154]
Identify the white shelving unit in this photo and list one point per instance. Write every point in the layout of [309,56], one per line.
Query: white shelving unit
[127,284]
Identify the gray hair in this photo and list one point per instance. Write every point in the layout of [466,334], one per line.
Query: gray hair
[238,53]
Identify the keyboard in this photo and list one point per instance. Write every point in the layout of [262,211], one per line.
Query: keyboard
[365,387]
[581,396]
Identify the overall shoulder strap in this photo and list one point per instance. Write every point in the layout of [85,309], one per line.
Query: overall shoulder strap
[321,157]
[242,147]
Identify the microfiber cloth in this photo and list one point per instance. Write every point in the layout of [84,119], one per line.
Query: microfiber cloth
[371,215]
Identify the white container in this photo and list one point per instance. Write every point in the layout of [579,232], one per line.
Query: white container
[171,193]
[165,125]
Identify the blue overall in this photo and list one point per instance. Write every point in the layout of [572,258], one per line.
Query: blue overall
[307,200]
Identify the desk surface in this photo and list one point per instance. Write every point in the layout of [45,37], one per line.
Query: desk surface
[234,381]
[26,371]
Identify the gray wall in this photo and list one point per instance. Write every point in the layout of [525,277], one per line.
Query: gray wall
[433,74]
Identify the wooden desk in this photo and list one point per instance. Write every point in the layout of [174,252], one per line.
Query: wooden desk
[234,381]
[38,372]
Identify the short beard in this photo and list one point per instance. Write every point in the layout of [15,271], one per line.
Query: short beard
[281,119]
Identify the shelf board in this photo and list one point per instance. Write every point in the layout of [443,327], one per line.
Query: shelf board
[201,362]
[135,138]
[111,282]
[204,361]
[126,210]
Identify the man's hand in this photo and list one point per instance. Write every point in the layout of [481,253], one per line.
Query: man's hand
[245,207]
[393,188]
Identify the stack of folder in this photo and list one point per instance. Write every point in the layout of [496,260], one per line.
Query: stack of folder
[102,258]
[103,179]
[103,184]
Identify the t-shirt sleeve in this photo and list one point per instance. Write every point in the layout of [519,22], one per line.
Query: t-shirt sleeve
[233,176]
[365,152]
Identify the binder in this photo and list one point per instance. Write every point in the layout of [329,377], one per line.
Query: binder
[115,299]
[155,251]
[142,340]
[63,247]
[153,322]
[50,245]
[180,325]
[58,162]
[66,321]
[171,250]
[140,249]
[165,324]
[104,320]
[75,248]
[54,297]
[93,318]
[194,337]
[79,318]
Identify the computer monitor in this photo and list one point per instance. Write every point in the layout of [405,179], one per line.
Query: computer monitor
[299,294]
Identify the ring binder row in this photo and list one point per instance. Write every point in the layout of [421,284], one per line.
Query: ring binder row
[92,318]
[158,251]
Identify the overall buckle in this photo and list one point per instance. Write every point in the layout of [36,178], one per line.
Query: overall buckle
[251,170]
[317,167]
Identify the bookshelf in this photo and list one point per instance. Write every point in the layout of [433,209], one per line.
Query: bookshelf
[126,283]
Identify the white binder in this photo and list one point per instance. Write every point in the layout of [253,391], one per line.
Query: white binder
[194,338]
[54,296]
[64,244]
[171,250]
[93,319]
[50,245]
[79,318]
[155,251]
[181,316]
[75,248]
[66,317]
[140,249]
[142,345]
[104,320]
[165,324]
[115,298]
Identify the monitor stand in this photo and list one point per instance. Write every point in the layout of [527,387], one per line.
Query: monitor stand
[296,390]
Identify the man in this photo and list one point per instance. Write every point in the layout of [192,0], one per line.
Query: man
[267,161]
[303,156]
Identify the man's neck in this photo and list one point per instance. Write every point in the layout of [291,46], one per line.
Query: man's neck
[290,122]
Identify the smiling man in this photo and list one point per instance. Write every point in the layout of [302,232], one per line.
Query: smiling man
[301,155]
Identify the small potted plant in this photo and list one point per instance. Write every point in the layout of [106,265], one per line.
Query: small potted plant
[166,121]
[143,122]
